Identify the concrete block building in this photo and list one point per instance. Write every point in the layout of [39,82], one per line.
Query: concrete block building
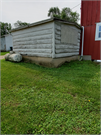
[49,42]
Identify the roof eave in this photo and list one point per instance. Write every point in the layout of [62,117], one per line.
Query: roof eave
[33,24]
[46,21]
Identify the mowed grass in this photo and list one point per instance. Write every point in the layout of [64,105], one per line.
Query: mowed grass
[39,100]
[3,53]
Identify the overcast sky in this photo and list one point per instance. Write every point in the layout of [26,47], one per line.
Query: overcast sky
[32,10]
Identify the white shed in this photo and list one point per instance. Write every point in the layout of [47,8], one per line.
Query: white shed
[49,42]
[6,42]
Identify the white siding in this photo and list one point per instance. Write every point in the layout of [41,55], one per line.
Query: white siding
[6,43]
[9,42]
[34,41]
[63,47]
[46,40]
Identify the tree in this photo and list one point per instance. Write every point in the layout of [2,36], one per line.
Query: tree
[54,12]
[68,15]
[19,24]
[74,16]
[5,27]
[65,14]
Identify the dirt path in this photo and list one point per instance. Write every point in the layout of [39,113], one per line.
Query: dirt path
[2,57]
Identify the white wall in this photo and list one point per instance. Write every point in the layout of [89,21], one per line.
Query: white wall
[6,43]
[34,41]
[52,39]
[9,42]
[67,40]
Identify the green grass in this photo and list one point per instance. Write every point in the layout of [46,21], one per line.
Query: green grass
[39,100]
[3,53]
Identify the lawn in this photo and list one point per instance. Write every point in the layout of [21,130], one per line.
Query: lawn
[3,53]
[39,100]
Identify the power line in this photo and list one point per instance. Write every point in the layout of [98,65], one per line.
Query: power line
[76,5]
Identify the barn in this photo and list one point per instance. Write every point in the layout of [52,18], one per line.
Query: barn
[49,42]
[91,21]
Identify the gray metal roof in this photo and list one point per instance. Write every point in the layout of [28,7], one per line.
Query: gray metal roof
[46,21]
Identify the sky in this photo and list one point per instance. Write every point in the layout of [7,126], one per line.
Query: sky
[31,11]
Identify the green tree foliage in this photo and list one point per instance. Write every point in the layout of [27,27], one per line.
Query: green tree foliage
[54,12]
[5,27]
[68,15]
[20,24]
[65,14]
